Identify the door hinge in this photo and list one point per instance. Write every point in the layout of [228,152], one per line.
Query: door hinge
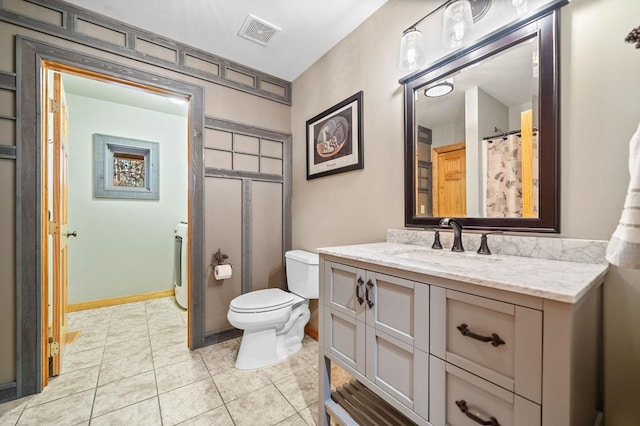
[54,349]
[54,106]
[53,228]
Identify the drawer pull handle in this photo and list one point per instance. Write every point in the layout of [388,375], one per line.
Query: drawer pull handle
[366,293]
[494,338]
[358,296]
[462,405]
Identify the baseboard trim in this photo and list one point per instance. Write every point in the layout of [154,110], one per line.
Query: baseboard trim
[119,300]
[8,391]
[221,336]
[311,332]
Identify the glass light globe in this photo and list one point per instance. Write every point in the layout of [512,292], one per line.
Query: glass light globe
[412,50]
[457,23]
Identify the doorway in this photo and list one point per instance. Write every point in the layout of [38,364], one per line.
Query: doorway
[120,249]
[450,180]
[32,289]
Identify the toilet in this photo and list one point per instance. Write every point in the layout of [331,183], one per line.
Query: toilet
[273,320]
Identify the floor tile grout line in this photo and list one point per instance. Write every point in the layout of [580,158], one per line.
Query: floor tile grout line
[95,391]
[153,364]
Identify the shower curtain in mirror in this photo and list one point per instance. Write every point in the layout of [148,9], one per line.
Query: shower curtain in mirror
[504,176]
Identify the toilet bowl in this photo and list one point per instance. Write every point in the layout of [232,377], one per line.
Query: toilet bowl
[273,320]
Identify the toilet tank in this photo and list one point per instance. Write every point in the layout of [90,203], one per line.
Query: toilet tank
[302,273]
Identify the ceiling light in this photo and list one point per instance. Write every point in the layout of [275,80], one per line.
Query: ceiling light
[411,50]
[439,89]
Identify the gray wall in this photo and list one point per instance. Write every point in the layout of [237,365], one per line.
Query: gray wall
[600,87]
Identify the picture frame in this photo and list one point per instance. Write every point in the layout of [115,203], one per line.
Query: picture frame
[334,139]
[125,168]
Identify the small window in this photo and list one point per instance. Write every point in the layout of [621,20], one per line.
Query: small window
[125,168]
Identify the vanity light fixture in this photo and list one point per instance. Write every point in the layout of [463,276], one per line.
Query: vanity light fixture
[439,89]
[458,19]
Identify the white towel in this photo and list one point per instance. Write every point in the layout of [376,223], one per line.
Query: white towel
[624,247]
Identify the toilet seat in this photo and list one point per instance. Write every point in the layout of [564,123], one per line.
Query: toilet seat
[266,300]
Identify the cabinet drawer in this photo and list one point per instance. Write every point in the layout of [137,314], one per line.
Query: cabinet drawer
[498,341]
[459,398]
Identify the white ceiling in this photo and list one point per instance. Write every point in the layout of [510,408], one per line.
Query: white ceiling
[310,28]
[121,94]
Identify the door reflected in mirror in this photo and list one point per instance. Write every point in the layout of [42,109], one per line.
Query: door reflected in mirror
[476,139]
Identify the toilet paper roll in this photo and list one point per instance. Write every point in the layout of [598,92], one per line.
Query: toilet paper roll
[222,272]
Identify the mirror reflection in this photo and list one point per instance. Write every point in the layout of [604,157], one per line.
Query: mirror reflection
[476,139]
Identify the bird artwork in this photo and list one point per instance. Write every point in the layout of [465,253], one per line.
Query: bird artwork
[634,37]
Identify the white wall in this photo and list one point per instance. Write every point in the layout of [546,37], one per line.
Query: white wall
[135,235]
[483,112]
[357,207]
[515,115]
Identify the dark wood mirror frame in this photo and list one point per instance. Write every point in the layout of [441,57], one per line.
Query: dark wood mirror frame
[545,26]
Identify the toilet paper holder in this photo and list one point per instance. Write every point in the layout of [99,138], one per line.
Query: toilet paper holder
[218,258]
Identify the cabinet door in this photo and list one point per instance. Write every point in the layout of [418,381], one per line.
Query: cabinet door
[344,289]
[344,338]
[398,307]
[459,398]
[398,369]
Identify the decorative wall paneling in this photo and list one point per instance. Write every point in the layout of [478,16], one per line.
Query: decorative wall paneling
[8,152]
[30,54]
[69,22]
[244,153]
[7,148]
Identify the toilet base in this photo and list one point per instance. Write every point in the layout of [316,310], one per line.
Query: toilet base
[257,350]
[263,348]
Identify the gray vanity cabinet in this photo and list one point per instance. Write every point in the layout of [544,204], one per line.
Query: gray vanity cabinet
[376,325]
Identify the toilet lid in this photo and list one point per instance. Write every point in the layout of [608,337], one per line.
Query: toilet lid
[262,300]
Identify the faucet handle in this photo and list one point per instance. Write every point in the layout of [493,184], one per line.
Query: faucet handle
[484,247]
[436,240]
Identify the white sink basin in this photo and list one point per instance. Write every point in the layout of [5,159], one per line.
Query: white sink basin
[446,257]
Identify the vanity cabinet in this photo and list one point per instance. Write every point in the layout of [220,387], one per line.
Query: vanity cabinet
[447,352]
[376,325]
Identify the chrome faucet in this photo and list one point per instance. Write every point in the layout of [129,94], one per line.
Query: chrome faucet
[457,232]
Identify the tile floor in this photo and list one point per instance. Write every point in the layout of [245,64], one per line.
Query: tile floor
[130,366]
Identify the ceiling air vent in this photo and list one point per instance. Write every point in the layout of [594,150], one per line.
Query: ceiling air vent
[257,30]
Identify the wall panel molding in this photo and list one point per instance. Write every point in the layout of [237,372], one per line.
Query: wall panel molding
[7,80]
[263,85]
[248,178]
[8,152]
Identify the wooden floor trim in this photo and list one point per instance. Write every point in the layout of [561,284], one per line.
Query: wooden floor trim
[311,332]
[74,307]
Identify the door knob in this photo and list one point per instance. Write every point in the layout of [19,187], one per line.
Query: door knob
[72,234]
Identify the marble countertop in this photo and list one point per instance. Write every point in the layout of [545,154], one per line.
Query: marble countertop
[561,281]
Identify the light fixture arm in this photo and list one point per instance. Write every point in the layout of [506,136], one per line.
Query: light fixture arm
[413,27]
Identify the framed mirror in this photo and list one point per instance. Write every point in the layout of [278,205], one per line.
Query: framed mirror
[482,134]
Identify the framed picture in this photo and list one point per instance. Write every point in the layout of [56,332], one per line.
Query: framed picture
[334,139]
[125,168]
